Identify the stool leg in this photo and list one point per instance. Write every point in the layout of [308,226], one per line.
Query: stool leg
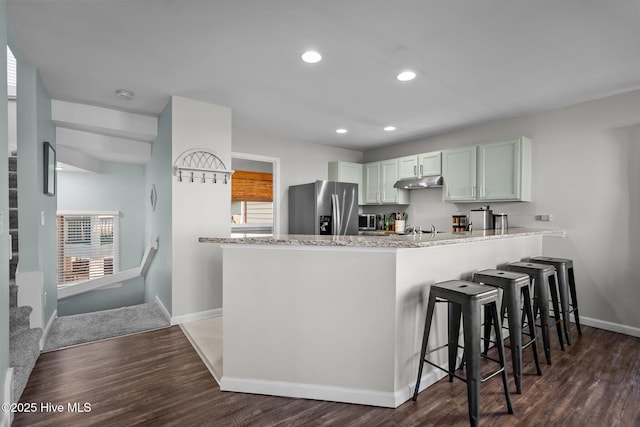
[511,300]
[574,299]
[556,308]
[471,327]
[541,303]
[498,329]
[454,337]
[488,322]
[425,338]
[528,310]
[563,290]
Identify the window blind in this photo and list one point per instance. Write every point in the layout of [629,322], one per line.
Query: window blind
[88,246]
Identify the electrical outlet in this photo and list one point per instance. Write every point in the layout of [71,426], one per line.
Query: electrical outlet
[41,217]
[545,217]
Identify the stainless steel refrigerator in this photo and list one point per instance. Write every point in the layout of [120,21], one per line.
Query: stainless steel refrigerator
[323,207]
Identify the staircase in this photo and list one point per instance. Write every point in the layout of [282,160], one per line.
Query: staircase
[24,341]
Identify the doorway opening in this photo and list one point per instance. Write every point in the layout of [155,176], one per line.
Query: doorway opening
[255,202]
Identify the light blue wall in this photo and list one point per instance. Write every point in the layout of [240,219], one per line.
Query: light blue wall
[37,248]
[158,222]
[130,293]
[120,187]
[4,205]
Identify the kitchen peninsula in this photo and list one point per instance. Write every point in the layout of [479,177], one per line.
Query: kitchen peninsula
[340,318]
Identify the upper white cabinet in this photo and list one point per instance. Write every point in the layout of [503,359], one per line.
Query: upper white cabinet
[459,173]
[379,178]
[426,164]
[496,171]
[348,172]
[371,178]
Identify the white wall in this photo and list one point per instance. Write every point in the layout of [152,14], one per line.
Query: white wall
[198,209]
[300,162]
[585,174]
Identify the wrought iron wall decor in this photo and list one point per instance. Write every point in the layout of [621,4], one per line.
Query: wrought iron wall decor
[200,165]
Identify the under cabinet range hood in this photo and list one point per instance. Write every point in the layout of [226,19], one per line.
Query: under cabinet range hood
[433,181]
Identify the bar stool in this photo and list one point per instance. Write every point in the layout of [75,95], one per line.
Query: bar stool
[567,288]
[465,299]
[514,285]
[544,281]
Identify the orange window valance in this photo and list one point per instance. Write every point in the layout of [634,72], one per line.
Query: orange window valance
[248,186]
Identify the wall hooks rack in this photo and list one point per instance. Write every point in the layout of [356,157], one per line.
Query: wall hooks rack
[201,165]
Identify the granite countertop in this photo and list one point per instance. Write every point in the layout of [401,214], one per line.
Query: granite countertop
[387,241]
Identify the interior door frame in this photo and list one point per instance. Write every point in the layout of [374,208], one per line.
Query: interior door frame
[275,161]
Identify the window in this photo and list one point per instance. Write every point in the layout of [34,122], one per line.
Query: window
[254,213]
[87,246]
[252,199]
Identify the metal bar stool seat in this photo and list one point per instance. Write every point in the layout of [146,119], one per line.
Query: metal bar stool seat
[544,280]
[567,288]
[465,300]
[515,287]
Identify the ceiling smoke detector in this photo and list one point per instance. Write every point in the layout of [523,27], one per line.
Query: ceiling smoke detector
[124,94]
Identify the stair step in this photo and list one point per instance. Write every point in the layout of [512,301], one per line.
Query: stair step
[13,295]
[24,349]
[13,218]
[13,179]
[13,197]
[13,266]
[13,163]
[19,319]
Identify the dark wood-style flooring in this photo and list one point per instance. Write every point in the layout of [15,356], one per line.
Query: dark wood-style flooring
[157,378]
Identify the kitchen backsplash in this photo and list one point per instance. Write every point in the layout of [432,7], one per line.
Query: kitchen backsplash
[427,208]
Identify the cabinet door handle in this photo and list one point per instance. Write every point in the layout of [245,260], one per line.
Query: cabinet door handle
[473,192]
[414,170]
[421,170]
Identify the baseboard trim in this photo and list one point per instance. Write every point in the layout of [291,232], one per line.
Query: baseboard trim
[610,326]
[176,320]
[6,417]
[328,393]
[166,313]
[46,330]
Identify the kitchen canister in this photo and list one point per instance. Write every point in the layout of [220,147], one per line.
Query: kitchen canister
[500,222]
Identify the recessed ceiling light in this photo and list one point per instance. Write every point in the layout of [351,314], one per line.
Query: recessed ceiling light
[124,94]
[405,76]
[341,130]
[311,56]
[390,128]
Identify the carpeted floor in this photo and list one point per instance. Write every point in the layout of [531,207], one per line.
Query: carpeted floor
[77,329]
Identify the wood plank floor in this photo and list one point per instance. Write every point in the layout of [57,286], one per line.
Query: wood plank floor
[156,378]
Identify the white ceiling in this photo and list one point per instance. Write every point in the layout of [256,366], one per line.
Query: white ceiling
[476,60]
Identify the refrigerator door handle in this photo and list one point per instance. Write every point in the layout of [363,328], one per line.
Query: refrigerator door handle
[340,215]
[335,226]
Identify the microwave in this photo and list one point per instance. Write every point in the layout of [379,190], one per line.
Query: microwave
[367,222]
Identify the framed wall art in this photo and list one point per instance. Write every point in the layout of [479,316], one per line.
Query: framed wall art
[49,169]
